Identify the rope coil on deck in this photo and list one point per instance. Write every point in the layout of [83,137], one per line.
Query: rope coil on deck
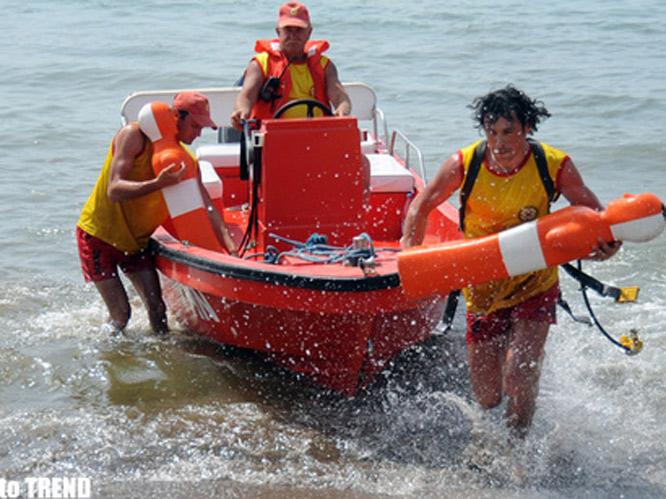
[361,253]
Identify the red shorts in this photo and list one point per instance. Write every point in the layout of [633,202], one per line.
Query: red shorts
[100,260]
[539,308]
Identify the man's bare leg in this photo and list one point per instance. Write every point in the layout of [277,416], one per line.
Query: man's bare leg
[115,297]
[486,361]
[522,371]
[147,284]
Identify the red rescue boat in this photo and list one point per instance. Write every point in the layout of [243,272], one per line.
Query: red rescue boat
[317,288]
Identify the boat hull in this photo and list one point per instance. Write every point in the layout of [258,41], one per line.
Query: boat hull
[338,332]
[284,187]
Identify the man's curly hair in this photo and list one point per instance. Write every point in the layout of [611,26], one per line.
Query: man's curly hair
[511,104]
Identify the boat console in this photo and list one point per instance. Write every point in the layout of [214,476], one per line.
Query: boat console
[392,183]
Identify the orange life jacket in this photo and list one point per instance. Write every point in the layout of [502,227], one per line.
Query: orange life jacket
[277,62]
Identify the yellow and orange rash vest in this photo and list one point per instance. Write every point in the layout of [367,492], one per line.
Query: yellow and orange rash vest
[498,202]
[302,80]
[126,225]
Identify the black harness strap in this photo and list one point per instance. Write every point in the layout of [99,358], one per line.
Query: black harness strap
[542,166]
[470,179]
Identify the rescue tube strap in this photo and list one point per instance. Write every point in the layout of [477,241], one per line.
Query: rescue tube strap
[590,282]
[577,318]
[631,344]
[450,310]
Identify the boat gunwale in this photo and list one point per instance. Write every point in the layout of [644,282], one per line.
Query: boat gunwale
[360,284]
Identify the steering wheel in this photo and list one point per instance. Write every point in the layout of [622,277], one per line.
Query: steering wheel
[311,105]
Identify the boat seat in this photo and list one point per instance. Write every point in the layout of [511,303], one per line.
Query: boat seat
[222,100]
[364,109]
[221,103]
[388,175]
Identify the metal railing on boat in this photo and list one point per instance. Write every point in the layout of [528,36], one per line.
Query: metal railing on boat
[409,146]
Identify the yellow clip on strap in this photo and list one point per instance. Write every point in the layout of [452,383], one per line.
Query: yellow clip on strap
[631,342]
[627,295]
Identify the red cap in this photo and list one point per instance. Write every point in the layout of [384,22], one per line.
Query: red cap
[293,14]
[196,105]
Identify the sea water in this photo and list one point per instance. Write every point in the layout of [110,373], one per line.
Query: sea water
[141,417]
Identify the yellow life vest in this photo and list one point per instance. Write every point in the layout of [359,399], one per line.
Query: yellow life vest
[126,225]
[498,202]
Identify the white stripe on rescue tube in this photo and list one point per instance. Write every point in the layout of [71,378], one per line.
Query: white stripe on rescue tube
[148,123]
[183,197]
[521,249]
[639,230]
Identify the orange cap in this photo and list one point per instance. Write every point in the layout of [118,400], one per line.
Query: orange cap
[293,14]
[196,105]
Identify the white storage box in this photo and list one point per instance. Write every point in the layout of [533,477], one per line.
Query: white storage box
[388,175]
[220,155]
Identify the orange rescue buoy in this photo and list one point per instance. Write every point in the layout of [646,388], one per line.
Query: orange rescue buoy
[565,235]
[183,200]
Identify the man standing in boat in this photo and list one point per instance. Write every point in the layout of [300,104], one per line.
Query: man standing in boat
[289,68]
[126,206]
[508,184]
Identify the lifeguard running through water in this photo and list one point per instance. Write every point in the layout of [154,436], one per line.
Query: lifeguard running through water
[507,320]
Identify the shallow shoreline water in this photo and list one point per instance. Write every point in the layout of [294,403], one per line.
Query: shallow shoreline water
[179,417]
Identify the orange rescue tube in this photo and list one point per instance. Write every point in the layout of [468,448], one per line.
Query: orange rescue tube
[183,200]
[557,238]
